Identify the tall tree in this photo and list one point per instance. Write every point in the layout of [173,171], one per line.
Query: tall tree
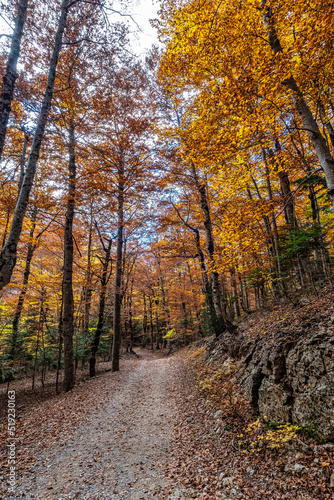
[223,322]
[9,78]
[309,122]
[103,292]
[67,288]
[118,269]
[9,250]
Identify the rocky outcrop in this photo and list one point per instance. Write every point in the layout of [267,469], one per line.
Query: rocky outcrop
[288,373]
[293,381]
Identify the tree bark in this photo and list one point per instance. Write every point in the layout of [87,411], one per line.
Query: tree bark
[214,326]
[68,304]
[223,323]
[9,79]
[310,124]
[23,293]
[207,289]
[8,253]
[60,342]
[272,35]
[118,272]
[131,315]
[157,339]
[288,203]
[194,305]
[267,225]
[164,302]
[4,237]
[151,323]
[145,317]
[235,293]
[326,122]
[39,328]
[88,289]
[100,323]
[319,143]
[23,161]
[243,296]
[163,295]
[273,220]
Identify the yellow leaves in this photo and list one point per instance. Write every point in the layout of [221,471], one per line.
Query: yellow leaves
[253,426]
[296,59]
[271,438]
[227,88]
[233,40]
[171,335]
[206,385]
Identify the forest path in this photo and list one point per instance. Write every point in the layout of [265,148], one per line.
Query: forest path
[120,449]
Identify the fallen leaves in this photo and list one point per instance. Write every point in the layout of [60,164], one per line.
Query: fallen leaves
[216,463]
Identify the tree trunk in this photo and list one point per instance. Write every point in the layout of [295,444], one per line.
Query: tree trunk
[320,252]
[60,343]
[131,316]
[4,237]
[157,339]
[267,224]
[40,326]
[87,296]
[326,122]
[320,145]
[68,305]
[223,323]
[273,221]
[151,323]
[145,317]
[243,296]
[125,318]
[26,274]
[23,161]
[118,272]
[197,314]
[207,289]
[289,206]
[9,79]
[163,295]
[100,323]
[8,253]
[235,293]
[88,285]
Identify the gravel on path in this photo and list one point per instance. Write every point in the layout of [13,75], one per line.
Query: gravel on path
[120,450]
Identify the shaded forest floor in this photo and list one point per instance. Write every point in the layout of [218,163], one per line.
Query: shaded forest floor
[160,428]
[108,438]
[222,451]
[220,445]
[27,398]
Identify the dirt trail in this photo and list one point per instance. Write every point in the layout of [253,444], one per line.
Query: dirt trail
[120,449]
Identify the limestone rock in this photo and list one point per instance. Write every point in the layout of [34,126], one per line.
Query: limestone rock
[293,381]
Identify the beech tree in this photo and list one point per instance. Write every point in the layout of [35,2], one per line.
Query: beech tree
[124,153]
[9,78]
[173,196]
[105,276]
[9,250]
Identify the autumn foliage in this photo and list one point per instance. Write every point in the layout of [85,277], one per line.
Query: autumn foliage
[172,195]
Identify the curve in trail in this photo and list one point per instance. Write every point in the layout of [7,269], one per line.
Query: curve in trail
[117,454]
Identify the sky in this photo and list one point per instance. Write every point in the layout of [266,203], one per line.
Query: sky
[141,11]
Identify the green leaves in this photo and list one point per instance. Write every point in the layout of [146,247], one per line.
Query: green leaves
[301,242]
